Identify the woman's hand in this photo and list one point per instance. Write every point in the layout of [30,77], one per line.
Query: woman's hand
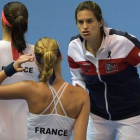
[22,59]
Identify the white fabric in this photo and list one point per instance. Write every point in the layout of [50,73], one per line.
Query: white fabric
[55,95]
[101,129]
[51,126]
[13,113]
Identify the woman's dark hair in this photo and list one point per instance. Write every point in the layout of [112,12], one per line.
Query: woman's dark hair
[91,6]
[17,15]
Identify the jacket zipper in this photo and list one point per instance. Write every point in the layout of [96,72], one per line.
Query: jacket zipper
[105,92]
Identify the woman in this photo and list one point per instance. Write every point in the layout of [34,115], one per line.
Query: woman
[13,114]
[104,61]
[54,110]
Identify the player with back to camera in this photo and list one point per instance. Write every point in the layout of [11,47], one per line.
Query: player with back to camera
[54,109]
[13,113]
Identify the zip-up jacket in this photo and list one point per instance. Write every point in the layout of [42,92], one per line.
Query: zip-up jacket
[111,77]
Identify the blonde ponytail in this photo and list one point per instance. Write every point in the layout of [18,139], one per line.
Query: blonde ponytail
[46,50]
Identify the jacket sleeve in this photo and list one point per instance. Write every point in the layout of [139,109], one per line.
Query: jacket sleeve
[75,69]
[133,50]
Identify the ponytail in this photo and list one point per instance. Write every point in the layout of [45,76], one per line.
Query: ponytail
[17,15]
[49,61]
[47,55]
[17,34]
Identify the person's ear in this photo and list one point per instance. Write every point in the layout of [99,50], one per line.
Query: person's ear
[101,23]
[2,23]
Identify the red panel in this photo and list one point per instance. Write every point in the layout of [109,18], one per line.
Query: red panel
[72,63]
[133,57]
[108,66]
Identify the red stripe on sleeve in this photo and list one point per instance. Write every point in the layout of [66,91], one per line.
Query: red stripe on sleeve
[133,58]
[72,63]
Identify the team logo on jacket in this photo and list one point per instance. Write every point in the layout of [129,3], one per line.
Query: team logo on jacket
[111,67]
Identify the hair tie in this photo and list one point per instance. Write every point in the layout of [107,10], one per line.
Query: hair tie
[22,16]
[38,59]
[19,15]
[58,53]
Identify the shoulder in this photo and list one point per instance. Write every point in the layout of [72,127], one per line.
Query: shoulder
[28,87]
[75,40]
[76,37]
[37,86]
[75,46]
[124,36]
[119,33]
[29,49]
[4,45]
[79,92]
[28,84]
[30,45]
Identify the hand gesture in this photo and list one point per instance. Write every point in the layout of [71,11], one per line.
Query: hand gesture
[22,59]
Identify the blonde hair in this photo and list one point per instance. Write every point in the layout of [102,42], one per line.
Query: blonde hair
[46,49]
